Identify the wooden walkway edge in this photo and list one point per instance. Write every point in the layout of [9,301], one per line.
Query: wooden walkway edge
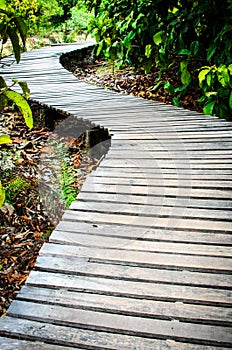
[143,259]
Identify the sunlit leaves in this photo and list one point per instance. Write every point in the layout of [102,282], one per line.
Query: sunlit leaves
[4,139]
[22,104]
[216,84]
[2,4]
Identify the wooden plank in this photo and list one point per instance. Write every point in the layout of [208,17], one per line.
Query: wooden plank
[133,244]
[168,260]
[149,154]
[17,344]
[148,221]
[85,267]
[131,181]
[175,164]
[159,200]
[162,176]
[151,234]
[139,290]
[151,210]
[189,192]
[90,339]
[123,324]
[124,306]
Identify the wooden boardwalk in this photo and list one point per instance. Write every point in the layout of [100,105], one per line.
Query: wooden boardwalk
[143,259]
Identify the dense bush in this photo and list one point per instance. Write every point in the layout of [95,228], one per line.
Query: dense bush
[147,33]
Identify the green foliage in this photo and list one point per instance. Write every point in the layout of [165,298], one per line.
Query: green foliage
[147,33]
[67,179]
[12,27]
[216,84]
[64,174]
[61,20]
[22,105]
[14,188]
[2,195]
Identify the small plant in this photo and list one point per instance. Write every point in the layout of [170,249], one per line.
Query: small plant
[216,85]
[14,188]
[67,180]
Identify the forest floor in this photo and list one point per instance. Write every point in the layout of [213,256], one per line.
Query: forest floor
[24,223]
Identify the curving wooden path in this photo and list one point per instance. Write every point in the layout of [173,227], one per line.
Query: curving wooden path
[143,259]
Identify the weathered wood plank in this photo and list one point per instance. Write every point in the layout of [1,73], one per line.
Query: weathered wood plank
[124,306]
[90,339]
[190,192]
[139,290]
[17,344]
[146,221]
[160,210]
[133,244]
[152,234]
[139,257]
[86,267]
[124,324]
[188,182]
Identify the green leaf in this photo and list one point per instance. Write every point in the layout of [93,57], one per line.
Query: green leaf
[202,75]
[4,139]
[157,38]
[176,102]
[108,41]
[22,28]
[169,87]
[209,79]
[208,108]
[211,93]
[184,52]
[2,195]
[156,86]
[185,75]
[148,50]
[99,49]
[230,100]
[2,4]
[223,77]
[15,43]
[181,88]
[211,52]
[194,47]
[25,89]
[201,99]
[23,106]
[230,68]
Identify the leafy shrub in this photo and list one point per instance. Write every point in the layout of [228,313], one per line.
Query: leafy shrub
[148,34]
[216,84]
